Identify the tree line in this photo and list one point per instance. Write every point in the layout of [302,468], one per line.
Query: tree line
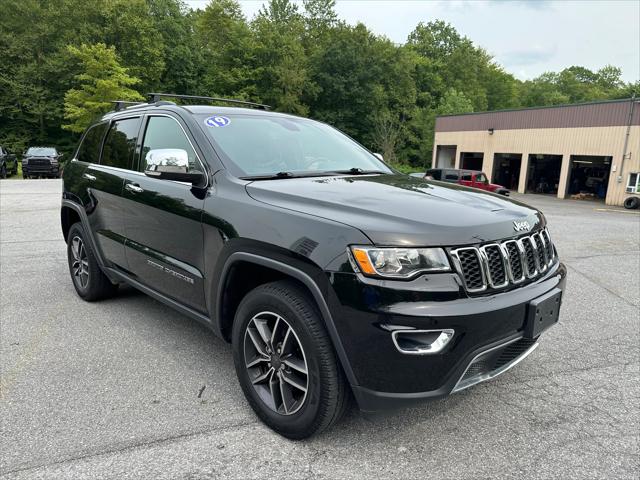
[63,61]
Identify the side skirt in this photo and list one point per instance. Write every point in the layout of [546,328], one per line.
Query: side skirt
[189,312]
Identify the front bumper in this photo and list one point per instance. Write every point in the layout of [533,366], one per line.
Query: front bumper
[40,169]
[488,337]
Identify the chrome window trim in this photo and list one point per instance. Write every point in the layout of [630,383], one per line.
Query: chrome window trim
[147,117]
[98,166]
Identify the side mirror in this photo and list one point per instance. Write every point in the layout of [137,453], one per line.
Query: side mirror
[170,164]
[379,156]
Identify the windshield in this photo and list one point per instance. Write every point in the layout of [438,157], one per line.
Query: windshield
[44,151]
[260,145]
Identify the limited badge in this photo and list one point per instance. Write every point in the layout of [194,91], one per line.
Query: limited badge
[217,121]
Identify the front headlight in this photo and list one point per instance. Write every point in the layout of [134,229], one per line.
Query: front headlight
[399,262]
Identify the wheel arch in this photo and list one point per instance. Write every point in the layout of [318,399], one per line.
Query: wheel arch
[71,211]
[68,216]
[265,269]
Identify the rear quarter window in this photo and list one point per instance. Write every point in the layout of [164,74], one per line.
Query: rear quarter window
[435,174]
[89,149]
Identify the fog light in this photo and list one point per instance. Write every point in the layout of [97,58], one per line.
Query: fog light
[421,342]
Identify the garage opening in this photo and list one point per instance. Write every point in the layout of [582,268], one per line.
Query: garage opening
[544,173]
[589,176]
[471,160]
[506,169]
[446,156]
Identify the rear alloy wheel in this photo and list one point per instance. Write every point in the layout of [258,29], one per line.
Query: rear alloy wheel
[80,263]
[89,281]
[285,362]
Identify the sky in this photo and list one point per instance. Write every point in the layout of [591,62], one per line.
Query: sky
[526,37]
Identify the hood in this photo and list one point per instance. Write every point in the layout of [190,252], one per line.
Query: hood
[399,209]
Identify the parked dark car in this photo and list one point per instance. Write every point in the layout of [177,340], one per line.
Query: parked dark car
[332,275]
[468,178]
[8,163]
[41,162]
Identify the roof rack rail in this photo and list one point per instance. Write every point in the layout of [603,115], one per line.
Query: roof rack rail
[122,104]
[155,97]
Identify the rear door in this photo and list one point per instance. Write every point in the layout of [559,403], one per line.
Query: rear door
[162,218]
[102,181]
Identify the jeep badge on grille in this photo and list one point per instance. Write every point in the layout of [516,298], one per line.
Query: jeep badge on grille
[522,226]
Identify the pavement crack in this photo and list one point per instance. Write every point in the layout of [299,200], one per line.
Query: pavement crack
[130,447]
[601,285]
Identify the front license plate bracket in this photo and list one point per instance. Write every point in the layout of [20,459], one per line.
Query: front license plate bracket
[542,313]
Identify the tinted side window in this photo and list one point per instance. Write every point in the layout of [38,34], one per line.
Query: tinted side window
[435,174]
[466,176]
[89,150]
[120,144]
[451,175]
[165,132]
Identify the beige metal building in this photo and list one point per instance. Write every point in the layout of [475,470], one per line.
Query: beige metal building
[591,148]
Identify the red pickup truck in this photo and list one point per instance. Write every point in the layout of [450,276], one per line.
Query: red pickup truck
[468,178]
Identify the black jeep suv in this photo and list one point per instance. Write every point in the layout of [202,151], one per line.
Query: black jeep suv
[331,274]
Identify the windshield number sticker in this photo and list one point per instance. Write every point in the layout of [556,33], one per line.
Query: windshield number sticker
[217,121]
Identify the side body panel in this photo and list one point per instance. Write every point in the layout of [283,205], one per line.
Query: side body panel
[164,245]
[104,211]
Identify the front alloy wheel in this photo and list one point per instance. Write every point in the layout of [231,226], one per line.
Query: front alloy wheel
[276,363]
[286,364]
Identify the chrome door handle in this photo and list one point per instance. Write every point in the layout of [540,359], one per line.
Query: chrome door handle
[89,177]
[134,188]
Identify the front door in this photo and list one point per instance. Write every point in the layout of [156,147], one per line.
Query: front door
[480,181]
[162,218]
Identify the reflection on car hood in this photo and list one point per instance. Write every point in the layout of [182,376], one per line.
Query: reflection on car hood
[399,209]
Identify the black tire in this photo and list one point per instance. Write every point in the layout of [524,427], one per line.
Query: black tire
[326,397]
[632,203]
[90,283]
[3,171]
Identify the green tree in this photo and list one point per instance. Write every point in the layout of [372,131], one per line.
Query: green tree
[226,43]
[102,80]
[281,64]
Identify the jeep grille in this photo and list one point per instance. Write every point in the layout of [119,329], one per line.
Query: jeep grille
[497,266]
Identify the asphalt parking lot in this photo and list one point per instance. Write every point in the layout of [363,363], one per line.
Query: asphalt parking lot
[128,388]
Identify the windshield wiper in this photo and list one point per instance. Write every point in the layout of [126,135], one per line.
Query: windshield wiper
[271,176]
[356,171]
[282,175]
